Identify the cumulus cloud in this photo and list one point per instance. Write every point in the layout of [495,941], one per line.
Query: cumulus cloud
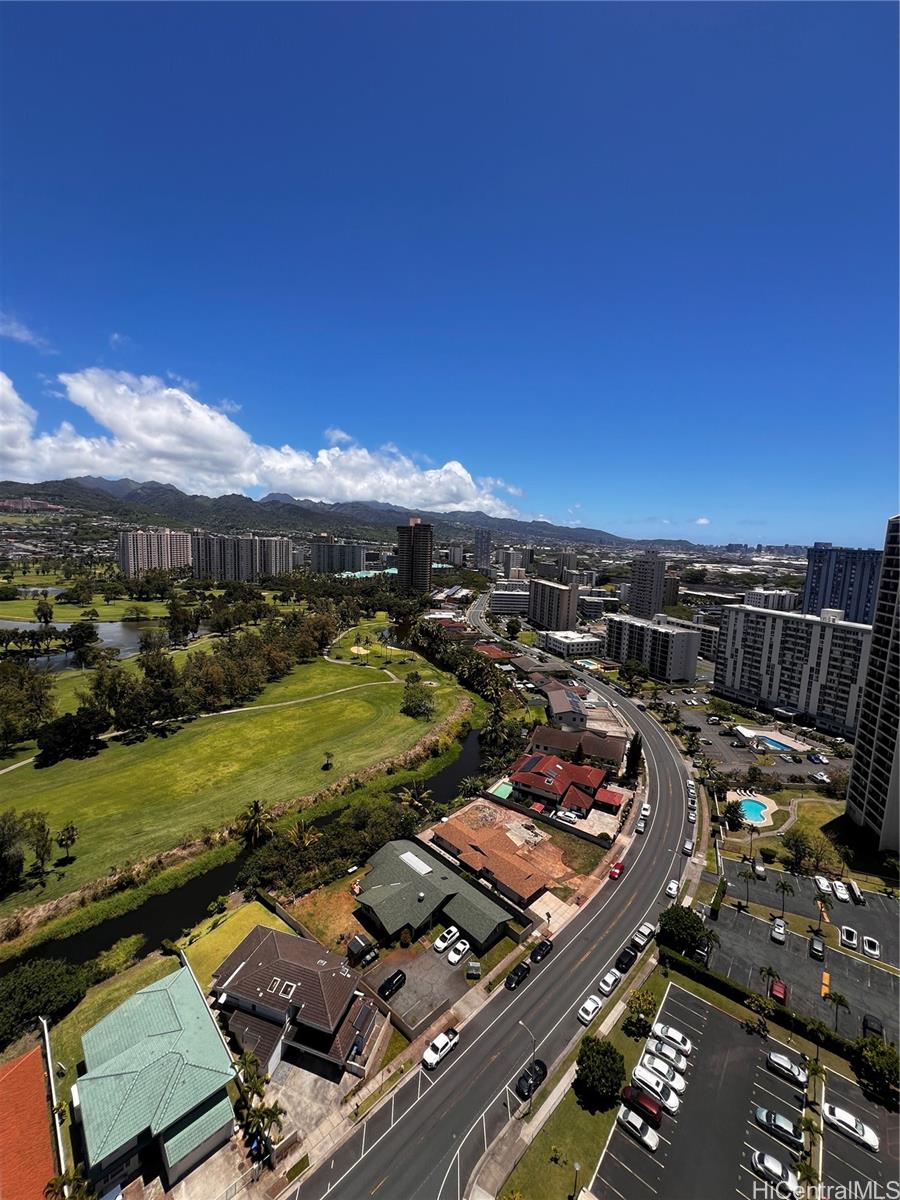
[153,430]
[17,331]
[702,521]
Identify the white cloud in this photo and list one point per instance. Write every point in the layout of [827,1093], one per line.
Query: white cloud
[156,431]
[17,331]
[228,406]
[118,340]
[702,521]
[335,436]
[189,385]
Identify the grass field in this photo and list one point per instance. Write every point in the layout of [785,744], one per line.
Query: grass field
[214,939]
[23,609]
[131,802]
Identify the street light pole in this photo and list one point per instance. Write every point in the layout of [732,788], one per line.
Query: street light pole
[533,1051]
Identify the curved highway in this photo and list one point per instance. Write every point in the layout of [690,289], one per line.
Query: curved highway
[423,1143]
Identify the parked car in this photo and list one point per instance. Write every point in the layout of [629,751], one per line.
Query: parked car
[645,810]
[823,885]
[688,847]
[665,1071]
[643,935]
[782,1180]
[702,950]
[566,816]
[780,1127]
[851,1125]
[589,1009]
[872,1027]
[616,870]
[796,758]
[759,868]
[458,952]
[517,975]
[531,1079]
[849,937]
[840,891]
[645,1106]
[821,777]
[778,933]
[610,981]
[641,826]
[541,950]
[629,1120]
[663,1050]
[672,888]
[786,757]
[782,1065]
[871,947]
[440,1048]
[668,1033]
[692,800]
[778,991]
[392,985]
[817,947]
[626,960]
[657,1088]
[692,817]
[447,938]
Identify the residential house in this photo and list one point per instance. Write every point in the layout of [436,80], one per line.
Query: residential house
[579,744]
[544,779]
[492,855]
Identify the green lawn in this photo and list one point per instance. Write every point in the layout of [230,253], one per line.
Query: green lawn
[210,943]
[23,609]
[131,802]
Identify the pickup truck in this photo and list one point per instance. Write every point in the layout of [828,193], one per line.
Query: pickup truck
[440,1048]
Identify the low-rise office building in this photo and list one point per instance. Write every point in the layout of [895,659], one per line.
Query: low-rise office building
[813,666]
[669,652]
[566,643]
[781,598]
[508,602]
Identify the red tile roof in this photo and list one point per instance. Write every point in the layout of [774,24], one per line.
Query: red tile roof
[495,854]
[577,799]
[489,650]
[27,1161]
[609,798]
[549,775]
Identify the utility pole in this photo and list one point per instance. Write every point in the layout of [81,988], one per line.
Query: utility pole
[533,1051]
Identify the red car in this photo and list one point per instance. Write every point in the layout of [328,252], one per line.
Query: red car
[778,990]
[616,870]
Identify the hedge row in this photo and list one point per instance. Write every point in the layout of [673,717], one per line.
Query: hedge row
[718,898]
[786,1017]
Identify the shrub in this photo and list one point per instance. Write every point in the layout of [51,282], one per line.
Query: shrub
[768,854]
[599,1073]
[405,938]
[718,898]
[46,987]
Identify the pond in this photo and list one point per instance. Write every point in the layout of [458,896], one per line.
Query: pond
[167,916]
[123,636]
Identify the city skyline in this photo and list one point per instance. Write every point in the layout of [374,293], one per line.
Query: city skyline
[312,285]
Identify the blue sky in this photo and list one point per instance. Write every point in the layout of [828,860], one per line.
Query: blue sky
[629,265]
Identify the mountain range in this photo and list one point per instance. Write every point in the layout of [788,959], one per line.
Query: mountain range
[162,503]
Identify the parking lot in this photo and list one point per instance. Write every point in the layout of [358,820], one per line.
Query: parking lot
[430,982]
[706,1149]
[746,945]
[879,917]
[843,1161]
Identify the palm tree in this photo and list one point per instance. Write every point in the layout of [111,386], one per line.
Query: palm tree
[255,823]
[825,903]
[807,1174]
[247,1063]
[815,1070]
[272,1117]
[767,974]
[302,836]
[786,889]
[71,1185]
[809,1126]
[417,796]
[748,877]
[839,1001]
[817,1031]
[469,786]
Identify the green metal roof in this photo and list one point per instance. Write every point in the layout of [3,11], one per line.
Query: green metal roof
[393,887]
[191,1132]
[149,1063]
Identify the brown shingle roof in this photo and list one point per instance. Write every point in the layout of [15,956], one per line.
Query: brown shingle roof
[289,973]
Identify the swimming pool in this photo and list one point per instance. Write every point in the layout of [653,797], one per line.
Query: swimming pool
[772,743]
[753,811]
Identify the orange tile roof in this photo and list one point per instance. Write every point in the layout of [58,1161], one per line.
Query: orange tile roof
[490,850]
[27,1161]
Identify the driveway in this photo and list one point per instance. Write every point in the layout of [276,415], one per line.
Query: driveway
[746,945]
[879,917]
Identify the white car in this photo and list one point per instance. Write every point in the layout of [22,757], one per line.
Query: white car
[840,891]
[665,1071]
[643,935]
[871,947]
[646,810]
[785,758]
[638,1129]
[589,1009]
[849,937]
[778,931]
[610,981]
[692,818]
[821,777]
[447,938]
[458,952]
[783,1181]
[823,885]
[782,1065]
[670,1055]
[692,800]
[672,888]
[657,1088]
[854,1128]
[668,1033]
[440,1048]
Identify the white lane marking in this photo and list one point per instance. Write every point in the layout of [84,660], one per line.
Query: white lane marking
[647,1185]
[780,1099]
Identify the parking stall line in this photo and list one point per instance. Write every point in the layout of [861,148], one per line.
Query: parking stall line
[694,1028]
[625,1166]
[779,1099]
[607,1184]
[740,1193]
[853,1166]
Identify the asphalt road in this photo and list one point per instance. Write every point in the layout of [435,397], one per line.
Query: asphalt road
[424,1143]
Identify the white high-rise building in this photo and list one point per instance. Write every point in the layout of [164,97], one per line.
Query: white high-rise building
[813,666]
[667,651]
[142,550]
[243,558]
[873,798]
[648,585]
